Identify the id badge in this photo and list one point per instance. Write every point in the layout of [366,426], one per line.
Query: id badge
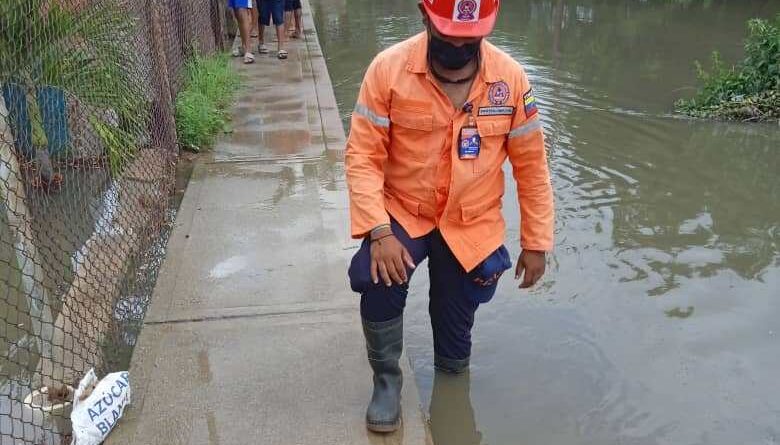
[470,143]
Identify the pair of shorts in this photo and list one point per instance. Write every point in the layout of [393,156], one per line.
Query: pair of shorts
[272,9]
[239,4]
[292,5]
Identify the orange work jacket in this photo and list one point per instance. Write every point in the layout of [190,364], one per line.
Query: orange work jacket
[402,157]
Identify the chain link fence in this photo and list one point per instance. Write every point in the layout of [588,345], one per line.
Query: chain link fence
[88,159]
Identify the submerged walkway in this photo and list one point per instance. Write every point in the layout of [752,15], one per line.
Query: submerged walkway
[253,336]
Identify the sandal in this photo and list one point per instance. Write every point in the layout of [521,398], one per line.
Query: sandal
[282,54]
[262,49]
[249,58]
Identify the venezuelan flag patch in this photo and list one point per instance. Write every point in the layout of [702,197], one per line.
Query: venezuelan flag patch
[530,104]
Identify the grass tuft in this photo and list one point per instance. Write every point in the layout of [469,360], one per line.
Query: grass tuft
[202,105]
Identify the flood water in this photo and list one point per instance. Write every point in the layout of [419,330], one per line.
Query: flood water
[659,319]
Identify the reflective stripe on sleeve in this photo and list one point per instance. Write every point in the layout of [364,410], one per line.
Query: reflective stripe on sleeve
[525,128]
[376,119]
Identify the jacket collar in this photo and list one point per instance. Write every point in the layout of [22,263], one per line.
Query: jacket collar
[418,58]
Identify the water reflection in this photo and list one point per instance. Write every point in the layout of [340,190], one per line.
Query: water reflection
[678,199]
[641,51]
[657,322]
[452,417]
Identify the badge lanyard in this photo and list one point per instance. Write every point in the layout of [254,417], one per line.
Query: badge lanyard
[470,141]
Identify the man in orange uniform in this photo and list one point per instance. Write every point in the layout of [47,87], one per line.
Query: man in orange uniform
[436,118]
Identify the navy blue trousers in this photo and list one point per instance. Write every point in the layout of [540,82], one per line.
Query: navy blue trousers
[450,306]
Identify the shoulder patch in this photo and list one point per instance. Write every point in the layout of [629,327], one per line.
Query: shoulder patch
[529,102]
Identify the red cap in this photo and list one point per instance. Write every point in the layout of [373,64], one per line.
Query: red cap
[463,18]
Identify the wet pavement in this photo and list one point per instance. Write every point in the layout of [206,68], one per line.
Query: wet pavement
[253,335]
[657,322]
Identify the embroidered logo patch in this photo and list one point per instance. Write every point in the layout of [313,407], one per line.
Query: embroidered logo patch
[498,93]
[496,111]
[530,104]
[489,282]
[466,11]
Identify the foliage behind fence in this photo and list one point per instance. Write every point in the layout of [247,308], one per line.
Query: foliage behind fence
[88,151]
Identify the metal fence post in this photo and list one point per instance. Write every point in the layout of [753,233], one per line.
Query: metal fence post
[163,123]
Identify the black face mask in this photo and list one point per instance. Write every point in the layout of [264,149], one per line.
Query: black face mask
[450,56]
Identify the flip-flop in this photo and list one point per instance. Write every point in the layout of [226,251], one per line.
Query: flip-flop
[249,58]
[262,49]
[282,55]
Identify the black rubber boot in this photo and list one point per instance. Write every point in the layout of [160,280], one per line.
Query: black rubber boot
[384,342]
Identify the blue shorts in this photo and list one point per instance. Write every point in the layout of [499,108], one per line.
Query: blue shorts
[292,5]
[269,9]
[239,4]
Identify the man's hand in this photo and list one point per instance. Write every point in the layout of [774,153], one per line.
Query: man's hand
[389,259]
[533,263]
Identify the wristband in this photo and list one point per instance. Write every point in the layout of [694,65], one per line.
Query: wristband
[382,237]
[379,227]
[380,232]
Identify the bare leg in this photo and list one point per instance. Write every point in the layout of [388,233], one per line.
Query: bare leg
[255,17]
[240,36]
[261,40]
[298,22]
[288,21]
[280,37]
[243,16]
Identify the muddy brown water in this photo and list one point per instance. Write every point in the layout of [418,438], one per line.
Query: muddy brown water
[659,319]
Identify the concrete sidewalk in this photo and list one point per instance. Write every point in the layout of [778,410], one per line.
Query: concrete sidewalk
[253,336]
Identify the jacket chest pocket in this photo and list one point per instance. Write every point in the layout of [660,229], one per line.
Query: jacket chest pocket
[493,132]
[494,129]
[411,131]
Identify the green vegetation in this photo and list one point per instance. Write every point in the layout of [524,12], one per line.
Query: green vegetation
[86,54]
[201,106]
[749,91]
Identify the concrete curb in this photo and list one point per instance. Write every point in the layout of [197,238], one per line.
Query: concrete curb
[250,337]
